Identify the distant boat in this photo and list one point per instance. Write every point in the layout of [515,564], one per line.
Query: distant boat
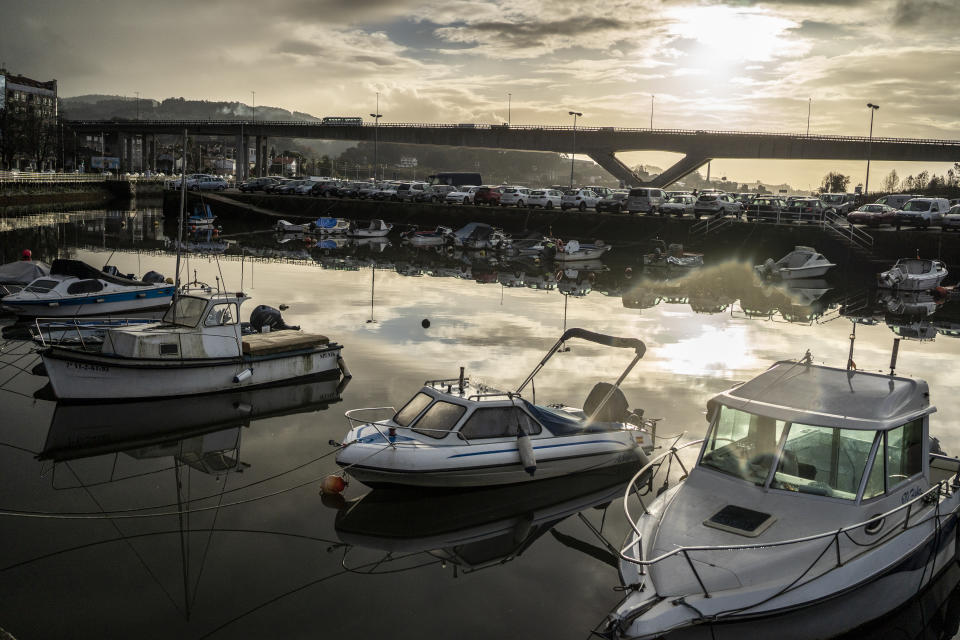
[913,274]
[672,257]
[802,262]
[437,237]
[14,276]
[376,229]
[202,217]
[74,288]
[331,225]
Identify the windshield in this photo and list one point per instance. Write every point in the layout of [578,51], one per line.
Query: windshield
[833,199]
[186,311]
[817,460]
[439,419]
[412,409]
[917,205]
[42,286]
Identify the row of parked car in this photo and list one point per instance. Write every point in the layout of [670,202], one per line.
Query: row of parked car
[198,182]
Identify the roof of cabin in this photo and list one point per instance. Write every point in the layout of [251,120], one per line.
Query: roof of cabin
[827,396]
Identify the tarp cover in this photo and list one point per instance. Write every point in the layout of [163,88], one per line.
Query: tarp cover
[23,272]
[82,270]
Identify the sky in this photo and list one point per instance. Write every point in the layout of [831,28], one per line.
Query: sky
[752,65]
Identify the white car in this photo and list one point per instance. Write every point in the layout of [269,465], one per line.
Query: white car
[514,196]
[207,183]
[579,199]
[712,203]
[386,192]
[545,198]
[410,190]
[922,212]
[462,195]
[679,205]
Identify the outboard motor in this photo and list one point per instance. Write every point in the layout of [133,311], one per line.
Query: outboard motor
[769,267]
[153,277]
[264,316]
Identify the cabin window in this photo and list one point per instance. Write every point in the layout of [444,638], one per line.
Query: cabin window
[412,409]
[498,422]
[877,475]
[904,452]
[42,286]
[743,445]
[823,460]
[186,311]
[440,419]
[221,314]
[85,286]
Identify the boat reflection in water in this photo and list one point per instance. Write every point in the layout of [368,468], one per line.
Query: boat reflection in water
[475,529]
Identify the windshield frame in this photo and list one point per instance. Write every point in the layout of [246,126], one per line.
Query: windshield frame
[181,317]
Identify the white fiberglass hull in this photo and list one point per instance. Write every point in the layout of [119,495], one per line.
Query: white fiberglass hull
[831,603]
[482,464]
[367,233]
[914,282]
[592,253]
[91,305]
[77,375]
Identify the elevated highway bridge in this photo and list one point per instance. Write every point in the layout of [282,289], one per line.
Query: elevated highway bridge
[599,143]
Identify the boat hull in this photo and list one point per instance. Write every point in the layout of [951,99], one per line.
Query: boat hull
[78,375]
[581,254]
[914,283]
[483,465]
[93,305]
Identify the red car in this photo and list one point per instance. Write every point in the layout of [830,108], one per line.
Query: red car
[873,215]
[487,195]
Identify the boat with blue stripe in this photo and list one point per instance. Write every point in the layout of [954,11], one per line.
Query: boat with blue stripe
[455,434]
[74,288]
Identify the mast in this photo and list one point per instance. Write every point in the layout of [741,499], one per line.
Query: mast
[183,208]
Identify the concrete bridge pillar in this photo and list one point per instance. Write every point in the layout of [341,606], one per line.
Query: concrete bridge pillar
[242,168]
[258,157]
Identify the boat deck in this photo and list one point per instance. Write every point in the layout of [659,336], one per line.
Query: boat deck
[280,341]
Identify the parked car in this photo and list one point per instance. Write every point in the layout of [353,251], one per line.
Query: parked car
[614,202]
[516,196]
[290,186]
[257,184]
[369,190]
[325,188]
[386,192]
[463,195]
[207,183]
[410,190]
[578,199]
[873,215]
[951,220]
[806,210]
[644,200]
[764,208]
[603,192]
[678,206]
[434,193]
[716,203]
[897,200]
[305,188]
[545,198]
[922,212]
[841,203]
[488,195]
[276,185]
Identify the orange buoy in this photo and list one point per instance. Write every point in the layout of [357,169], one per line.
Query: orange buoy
[333,484]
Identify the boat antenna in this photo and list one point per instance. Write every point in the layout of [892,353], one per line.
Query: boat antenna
[183,207]
[853,336]
[893,356]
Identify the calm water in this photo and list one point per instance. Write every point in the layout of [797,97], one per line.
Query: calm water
[262,555]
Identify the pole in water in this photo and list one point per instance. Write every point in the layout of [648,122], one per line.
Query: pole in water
[893,356]
[853,336]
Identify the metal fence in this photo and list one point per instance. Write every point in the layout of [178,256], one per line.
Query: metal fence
[29,177]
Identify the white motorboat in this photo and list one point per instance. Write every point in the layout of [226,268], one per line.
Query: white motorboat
[576,251]
[376,229]
[477,235]
[672,257]
[202,218]
[284,226]
[913,274]
[817,490]
[14,276]
[802,262]
[197,348]
[74,288]
[437,237]
[453,435]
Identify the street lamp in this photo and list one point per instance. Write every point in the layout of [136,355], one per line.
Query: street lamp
[573,153]
[509,97]
[866,183]
[651,111]
[138,104]
[809,106]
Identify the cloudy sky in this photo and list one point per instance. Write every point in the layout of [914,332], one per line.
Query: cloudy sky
[726,64]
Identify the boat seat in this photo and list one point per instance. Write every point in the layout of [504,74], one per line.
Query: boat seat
[261,344]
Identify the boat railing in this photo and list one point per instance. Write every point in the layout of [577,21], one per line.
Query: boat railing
[43,328]
[632,550]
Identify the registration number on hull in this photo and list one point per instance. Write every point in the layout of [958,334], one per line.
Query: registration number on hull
[83,366]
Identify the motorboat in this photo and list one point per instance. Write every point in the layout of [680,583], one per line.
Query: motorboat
[477,236]
[453,434]
[74,288]
[437,237]
[331,225]
[14,276]
[672,256]
[802,262]
[202,218]
[284,226]
[576,251]
[376,229]
[816,490]
[198,347]
[913,274]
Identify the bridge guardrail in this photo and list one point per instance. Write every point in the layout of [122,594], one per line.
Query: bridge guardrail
[482,126]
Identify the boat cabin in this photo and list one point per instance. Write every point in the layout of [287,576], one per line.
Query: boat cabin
[837,434]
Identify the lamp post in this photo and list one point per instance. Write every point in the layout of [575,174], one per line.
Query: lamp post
[809,105]
[509,97]
[138,104]
[376,135]
[573,153]
[651,111]
[866,183]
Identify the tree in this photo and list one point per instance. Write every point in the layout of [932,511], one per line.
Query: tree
[892,182]
[835,182]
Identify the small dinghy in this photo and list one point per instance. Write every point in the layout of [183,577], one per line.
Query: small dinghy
[331,225]
[576,251]
[376,229]
[913,274]
[435,238]
[283,226]
[74,288]
[202,218]
[451,434]
[478,235]
[802,262]
[817,491]
[671,257]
